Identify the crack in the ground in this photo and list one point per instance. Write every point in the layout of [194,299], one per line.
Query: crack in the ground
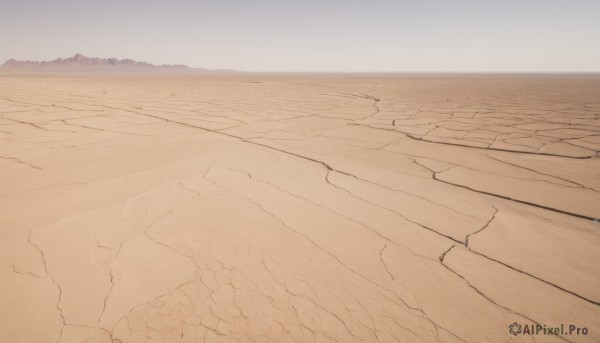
[58,308]
[412,136]
[483,294]
[434,177]
[383,262]
[443,255]
[20,161]
[540,173]
[484,227]
[537,278]
[582,216]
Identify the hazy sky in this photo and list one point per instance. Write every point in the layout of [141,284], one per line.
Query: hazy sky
[336,35]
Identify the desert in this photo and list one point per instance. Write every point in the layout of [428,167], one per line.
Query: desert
[298,207]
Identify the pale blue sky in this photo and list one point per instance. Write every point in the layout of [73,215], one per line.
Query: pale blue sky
[337,35]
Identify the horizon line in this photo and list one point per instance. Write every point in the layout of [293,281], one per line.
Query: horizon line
[233,70]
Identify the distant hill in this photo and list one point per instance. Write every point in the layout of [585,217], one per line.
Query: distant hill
[81,61]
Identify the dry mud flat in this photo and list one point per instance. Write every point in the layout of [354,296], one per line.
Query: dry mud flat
[296,208]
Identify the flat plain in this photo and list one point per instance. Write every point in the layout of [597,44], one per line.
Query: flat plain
[382,208]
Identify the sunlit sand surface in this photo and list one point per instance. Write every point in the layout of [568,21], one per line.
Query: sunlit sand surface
[298,208]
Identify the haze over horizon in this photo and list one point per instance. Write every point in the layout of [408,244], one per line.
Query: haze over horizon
[379,36]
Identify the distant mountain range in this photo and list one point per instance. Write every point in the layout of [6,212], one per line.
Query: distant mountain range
[81,61]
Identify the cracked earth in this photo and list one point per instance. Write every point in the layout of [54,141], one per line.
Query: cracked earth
[297,208]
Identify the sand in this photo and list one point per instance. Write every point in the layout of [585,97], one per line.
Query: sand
[298,208]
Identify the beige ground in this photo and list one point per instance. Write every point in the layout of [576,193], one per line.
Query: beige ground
[295,208]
